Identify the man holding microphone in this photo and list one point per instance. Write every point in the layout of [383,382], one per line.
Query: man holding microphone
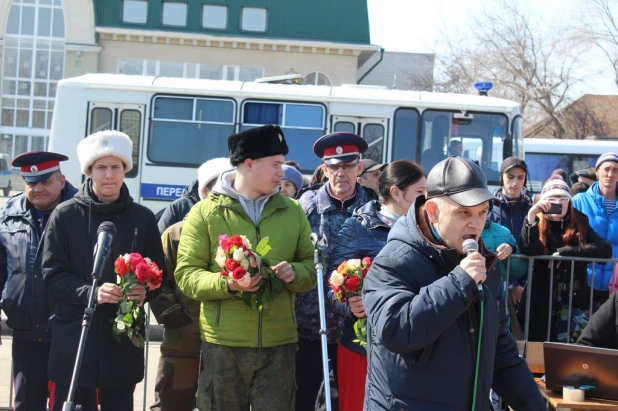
[437,337]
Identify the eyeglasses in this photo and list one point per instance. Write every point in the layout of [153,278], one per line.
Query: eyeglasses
[562,200]
[341,166]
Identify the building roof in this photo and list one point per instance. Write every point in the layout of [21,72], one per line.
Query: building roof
[342,21]
[590,115]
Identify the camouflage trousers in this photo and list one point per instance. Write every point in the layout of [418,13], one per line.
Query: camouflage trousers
[177,375]
[243,379]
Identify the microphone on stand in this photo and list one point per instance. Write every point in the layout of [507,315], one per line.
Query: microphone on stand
[471,246]
[105,236]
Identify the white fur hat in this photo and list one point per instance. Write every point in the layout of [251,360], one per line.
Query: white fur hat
[211,170]
[102,144]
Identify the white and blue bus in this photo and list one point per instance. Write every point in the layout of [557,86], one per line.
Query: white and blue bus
[177,124]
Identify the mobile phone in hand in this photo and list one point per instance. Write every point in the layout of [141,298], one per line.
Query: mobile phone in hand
[554,208]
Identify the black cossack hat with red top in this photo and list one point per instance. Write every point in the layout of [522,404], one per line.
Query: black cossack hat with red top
[256,143]
[336,148]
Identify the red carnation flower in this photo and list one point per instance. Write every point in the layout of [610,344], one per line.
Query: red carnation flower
[224,274]
[121,267]
[238,273]
[352,282]
[231,264]
[155,276]
[237,241]
[366,262]
[364,272]
[142,272]
[135,259]
[226,245]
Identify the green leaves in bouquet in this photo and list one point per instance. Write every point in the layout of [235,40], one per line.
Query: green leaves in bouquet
[129,317]
[360,329]
[270,287]
[263,247]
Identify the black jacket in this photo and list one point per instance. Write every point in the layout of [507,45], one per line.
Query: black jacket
[179,208]
[531,245]
[421,309]
[602,330]
[21,284]
[67,264]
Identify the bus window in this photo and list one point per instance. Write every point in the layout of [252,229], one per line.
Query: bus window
[189,131]
[302,125]
[483,133]
[100,119]
[344,127]
[130,123]
[405,134]
[374,135]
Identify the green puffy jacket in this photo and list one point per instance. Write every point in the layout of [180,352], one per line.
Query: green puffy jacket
[224,318]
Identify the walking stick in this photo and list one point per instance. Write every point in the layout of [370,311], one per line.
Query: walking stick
[317,259]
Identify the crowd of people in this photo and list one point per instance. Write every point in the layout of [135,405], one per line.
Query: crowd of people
[238,299]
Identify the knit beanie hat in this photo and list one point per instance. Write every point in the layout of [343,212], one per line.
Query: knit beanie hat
[292,175]
[103,144]
[555,187]
[606,157]
[211,170]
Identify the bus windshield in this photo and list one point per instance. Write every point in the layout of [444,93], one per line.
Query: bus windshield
[476,136]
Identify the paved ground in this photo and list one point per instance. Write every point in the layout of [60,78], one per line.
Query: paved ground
[5,376]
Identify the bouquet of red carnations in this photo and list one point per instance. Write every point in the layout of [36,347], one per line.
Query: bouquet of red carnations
[238,261]
[132,269]
[347,281]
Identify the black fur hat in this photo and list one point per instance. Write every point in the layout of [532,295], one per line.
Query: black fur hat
[256,143]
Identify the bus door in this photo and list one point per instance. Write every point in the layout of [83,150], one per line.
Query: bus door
[127,118]
[373,130]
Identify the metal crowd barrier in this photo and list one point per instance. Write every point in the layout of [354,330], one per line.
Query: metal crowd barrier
[565,260]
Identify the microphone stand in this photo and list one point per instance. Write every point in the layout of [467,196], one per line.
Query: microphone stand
[88,314]
[317,259]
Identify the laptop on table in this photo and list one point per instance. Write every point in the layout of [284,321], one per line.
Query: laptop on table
[578,365]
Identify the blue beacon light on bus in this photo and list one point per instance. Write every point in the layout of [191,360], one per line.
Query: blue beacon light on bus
[483,87]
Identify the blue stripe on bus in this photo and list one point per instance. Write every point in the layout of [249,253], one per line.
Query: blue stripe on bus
[160,191]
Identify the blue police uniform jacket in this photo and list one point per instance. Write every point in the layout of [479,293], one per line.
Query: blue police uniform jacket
[423,322]
[362,235]
[24,299]
[326,219]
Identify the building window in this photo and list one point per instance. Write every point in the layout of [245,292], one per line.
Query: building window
[214,17]
[134,11]
[253,19]
[188,70]
[317,79]
[32,64]
[174,14]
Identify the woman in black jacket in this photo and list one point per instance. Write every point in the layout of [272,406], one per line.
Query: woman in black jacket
[111,366]
[567,234]
[363,235]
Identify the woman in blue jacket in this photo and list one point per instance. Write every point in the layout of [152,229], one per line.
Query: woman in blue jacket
[363,235]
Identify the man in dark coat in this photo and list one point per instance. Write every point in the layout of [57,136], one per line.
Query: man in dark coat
[109,365]
[437,337]
[22,223]
[601,330]
[327,207]
[198,190]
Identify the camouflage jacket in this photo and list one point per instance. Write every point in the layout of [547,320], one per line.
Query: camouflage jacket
[326,219]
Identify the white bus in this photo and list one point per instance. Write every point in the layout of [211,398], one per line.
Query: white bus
[544,155]
[176,124]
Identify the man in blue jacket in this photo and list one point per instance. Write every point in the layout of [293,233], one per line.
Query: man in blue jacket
[437,337]
[22,222]
[599,204]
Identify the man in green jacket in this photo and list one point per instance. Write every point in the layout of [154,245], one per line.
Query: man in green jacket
[248,356]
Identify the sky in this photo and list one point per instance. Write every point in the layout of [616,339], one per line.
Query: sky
[418,26]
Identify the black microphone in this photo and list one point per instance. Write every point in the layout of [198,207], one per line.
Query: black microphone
[471,246]
[105,236]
